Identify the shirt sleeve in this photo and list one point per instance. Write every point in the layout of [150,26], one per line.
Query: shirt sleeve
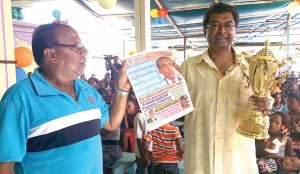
[148,136]
[138,126]
[176,133]
[14,128]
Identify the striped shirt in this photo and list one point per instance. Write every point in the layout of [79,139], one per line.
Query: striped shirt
[164,146]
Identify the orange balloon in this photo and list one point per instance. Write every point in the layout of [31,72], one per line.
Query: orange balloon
[23,56]
[161,13]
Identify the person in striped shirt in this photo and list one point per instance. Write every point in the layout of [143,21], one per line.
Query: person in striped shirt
[167,148]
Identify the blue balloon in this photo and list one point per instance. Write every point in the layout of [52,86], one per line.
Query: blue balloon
[56,14]
[160,20]
[20,74]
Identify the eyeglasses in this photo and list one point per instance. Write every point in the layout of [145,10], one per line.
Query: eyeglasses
[79,47]
[217,26]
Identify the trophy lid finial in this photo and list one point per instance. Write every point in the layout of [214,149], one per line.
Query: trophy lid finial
[267,43]
[265,53]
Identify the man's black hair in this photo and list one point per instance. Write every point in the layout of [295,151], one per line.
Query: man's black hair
[44,36]
[220,8]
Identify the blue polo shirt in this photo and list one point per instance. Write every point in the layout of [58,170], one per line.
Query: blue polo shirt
[45,131]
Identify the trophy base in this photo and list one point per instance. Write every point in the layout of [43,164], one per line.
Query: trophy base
[254,124]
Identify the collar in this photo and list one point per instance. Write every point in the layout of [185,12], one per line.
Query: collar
[43,87]
[239,59]
[206,58]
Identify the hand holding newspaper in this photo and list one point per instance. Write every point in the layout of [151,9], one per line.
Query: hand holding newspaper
[160,89]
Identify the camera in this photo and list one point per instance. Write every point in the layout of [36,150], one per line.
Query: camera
[108,57]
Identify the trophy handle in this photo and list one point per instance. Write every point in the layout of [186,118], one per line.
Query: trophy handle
[283,62]
[246,56]
[285,73]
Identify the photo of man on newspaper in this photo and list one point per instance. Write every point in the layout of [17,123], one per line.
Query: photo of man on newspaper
[166,67]
[152,117]
[184,102]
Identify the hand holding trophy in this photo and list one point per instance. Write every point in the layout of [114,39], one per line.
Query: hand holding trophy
[262,78]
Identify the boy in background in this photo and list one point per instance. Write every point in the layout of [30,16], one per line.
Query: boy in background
[167,150]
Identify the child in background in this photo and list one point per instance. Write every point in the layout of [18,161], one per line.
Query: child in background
[290,163]
[167,150]
[277,106]
[294,115]
[140,131]
[271,150]
[127,131]
[284,101]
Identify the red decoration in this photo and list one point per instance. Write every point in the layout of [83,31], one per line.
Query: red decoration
[166,10]
[161,13]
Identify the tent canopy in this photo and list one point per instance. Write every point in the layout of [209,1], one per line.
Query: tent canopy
[259,20]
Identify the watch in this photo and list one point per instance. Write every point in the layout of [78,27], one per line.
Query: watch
[120,91]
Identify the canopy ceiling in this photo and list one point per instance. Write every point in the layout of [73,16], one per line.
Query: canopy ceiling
[260,20]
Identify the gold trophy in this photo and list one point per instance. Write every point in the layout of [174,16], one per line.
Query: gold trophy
[263,69]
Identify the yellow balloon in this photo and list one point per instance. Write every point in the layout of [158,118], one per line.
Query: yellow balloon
[132,52]
[107,4]
[153,13]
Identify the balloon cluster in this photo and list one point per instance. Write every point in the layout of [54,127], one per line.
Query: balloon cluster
[159,15]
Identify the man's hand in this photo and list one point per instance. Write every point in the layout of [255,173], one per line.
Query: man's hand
[7,167]
[123,82]
[261,104]
[270,145]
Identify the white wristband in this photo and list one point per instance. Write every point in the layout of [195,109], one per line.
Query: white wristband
[120,91]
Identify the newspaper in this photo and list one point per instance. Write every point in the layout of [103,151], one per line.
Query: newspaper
[162,98]
[277,146]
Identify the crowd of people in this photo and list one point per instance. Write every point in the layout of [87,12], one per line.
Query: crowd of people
[284,130]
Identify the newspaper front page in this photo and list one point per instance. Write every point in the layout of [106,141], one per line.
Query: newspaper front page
[160,89]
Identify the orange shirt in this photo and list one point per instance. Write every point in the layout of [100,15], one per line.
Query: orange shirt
[164,146]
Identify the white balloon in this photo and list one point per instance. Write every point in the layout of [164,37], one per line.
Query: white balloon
[107,4]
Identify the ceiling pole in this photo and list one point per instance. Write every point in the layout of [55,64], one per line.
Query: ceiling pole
[142,25]
[288,39]
[184,46]
[288,35]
